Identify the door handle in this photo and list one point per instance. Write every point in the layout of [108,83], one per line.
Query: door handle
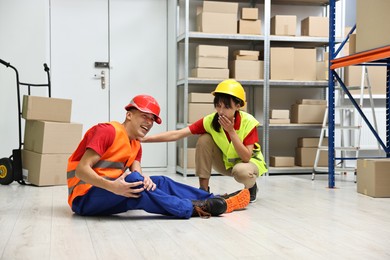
[102,78]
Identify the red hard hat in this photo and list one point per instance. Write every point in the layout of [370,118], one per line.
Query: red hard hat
[146,104]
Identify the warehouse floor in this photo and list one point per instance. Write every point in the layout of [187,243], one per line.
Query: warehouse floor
[293,218]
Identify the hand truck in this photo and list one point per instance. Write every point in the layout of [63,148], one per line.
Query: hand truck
[11,167]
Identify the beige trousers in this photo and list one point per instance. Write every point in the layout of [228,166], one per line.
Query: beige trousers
[208,156]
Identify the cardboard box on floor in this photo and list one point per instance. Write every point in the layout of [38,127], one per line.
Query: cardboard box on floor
[45,169]
[373,178]
[51,137]
[46,109]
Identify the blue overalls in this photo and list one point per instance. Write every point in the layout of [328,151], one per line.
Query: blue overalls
[170,198]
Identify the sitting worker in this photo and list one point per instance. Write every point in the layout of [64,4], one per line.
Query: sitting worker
[228,140]
[105,176]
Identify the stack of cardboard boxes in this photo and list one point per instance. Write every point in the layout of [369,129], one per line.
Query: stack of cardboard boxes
[246,65]
[249,22]
[211,62]
[49,139]
[218,17]
[279,116]
[305,152]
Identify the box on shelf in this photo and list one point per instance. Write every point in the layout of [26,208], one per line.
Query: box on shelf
[306,101]
[311,141]
[211,62]
[195,97]
[376,75]
[282,63]
[372,24]
[220,7]
[305,157]
[373,178]
[210,73]
[248,13]
[45,169]
[305,64]
[47,109]
[322,72]
[284,25]
[52,137]
[197,111]
[246,57]
[280,113]
[307,114]
[352,44]
[315,26]
[249,27]
[190,158]
[246,53]
[247,69]
[279,121]
[217,23]
[282,161]
[212,51]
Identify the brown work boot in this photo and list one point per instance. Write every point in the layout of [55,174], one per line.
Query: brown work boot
[237,200]
[210,207]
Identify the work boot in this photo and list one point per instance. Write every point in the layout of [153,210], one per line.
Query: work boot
[210,207]
[253,193]
[237,200]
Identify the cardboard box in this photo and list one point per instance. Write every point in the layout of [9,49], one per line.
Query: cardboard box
[247,69]
[282,63]
[217,23]
[315,26]
[282,161]
[352,44]
[312,101]
[373,178]
[45,169]
[279,121]
[249,13]
[197,111]
[284,25]
[376,74]
[307,114]
[190,157]
[246,53]
[246,57]
[210,73]
[249,27]
[52,137]
[47,109]
[305,64]
[194,97]
[311,141]
[322,72]
[220,7]
[211,62]
[280,113]
[305,157]
[212,51]
[372,24]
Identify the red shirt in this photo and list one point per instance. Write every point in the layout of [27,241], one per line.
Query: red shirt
[99,139]
[197,128]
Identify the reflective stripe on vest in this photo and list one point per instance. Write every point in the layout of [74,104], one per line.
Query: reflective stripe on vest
[118,157]
[229,153]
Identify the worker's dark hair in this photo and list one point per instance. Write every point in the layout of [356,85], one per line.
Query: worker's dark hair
[226,100]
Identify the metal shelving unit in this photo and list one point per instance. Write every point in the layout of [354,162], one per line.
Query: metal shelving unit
[186,37]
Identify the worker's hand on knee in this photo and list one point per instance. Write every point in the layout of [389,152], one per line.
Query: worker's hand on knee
[148,183]
[127,189]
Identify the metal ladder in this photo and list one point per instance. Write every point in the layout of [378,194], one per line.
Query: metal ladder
[345,151]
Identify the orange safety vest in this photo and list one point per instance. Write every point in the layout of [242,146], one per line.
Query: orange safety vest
[118,157]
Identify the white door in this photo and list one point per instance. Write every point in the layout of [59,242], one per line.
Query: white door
[79,38]
[132,36]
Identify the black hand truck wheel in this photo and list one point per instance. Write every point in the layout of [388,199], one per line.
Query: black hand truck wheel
[6,174]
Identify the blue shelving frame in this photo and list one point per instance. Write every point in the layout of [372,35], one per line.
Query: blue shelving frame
[380,56]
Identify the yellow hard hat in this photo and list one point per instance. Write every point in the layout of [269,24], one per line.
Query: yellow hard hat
[231,87]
